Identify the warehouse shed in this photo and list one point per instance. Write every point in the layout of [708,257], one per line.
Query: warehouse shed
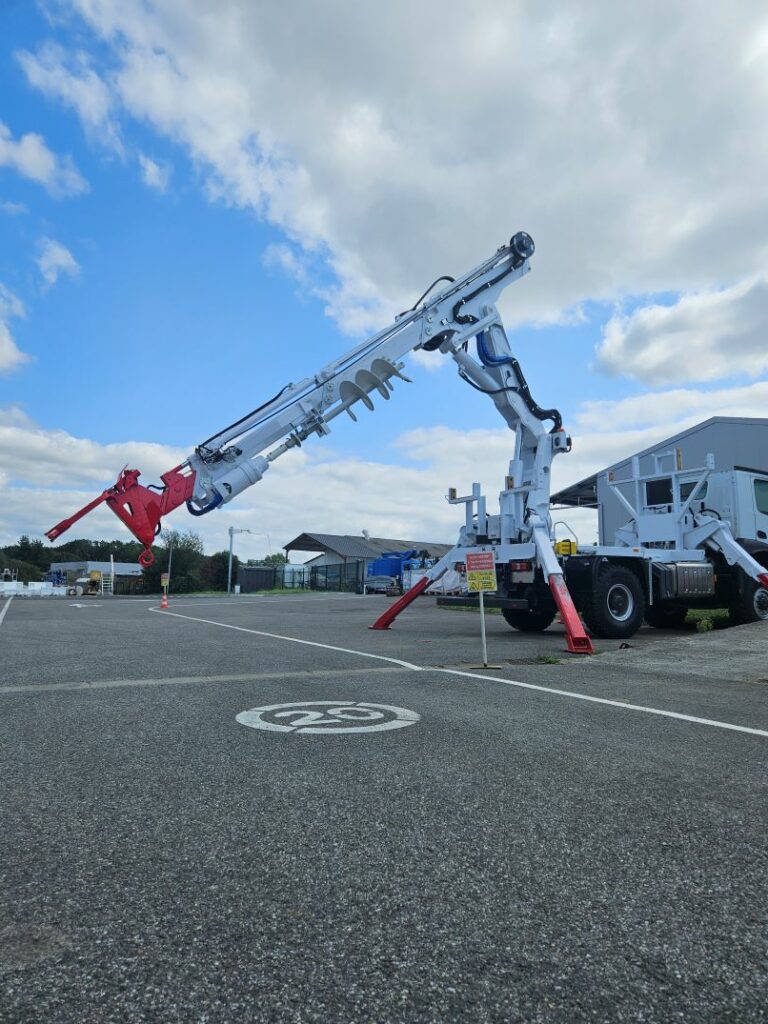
[336,548]
[342,560]
[735,442]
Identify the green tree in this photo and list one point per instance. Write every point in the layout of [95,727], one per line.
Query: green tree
[215,568]
[276,560]
[34,552]
[187,561]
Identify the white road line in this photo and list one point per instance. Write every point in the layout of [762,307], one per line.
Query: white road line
[493,679]
[235,601]
[6,606]
[291,639]
[246,677]
[609,703]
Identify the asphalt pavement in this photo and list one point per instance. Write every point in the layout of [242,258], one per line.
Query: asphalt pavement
[560,839]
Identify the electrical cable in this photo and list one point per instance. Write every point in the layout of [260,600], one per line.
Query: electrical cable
[486,391]
[445,277]
[242,419]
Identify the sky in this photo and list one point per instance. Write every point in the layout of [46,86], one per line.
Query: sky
[200,203]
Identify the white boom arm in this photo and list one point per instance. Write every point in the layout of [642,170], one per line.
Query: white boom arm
[234,458]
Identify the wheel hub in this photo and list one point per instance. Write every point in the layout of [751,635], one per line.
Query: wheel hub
[621,603]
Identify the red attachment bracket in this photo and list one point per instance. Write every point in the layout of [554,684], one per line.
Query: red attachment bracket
[577,640]
[140,508]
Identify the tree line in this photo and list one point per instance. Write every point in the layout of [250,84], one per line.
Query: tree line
[191,568]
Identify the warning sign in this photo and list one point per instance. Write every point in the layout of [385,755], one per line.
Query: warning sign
[481,571]
[164,579]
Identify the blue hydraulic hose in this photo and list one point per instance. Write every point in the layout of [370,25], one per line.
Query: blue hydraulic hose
[214,503]
[485,356]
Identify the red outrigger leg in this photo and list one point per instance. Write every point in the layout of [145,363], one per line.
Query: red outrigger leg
[577,640]
[140,508]
[384,621]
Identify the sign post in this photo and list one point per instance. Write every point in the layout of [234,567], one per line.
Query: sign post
[481,576]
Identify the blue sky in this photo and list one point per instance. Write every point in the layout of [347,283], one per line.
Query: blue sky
[232,205]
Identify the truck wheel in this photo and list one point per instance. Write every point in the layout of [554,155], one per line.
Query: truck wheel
[529,621]
[616,607]
[666,616]
[752,606]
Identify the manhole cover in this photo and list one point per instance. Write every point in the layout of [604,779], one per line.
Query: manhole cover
[326,716]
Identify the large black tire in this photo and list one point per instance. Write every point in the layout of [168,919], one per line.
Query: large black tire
[751,606]
[529,621]
[666,616]
[616,607]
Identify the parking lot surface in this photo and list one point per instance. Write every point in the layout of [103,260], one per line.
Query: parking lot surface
[415,838]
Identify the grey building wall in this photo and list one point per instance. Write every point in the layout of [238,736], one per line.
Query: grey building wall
[733,442]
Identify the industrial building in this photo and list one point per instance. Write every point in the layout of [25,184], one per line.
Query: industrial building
[343,560]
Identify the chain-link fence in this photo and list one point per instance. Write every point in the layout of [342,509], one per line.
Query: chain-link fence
[344,576]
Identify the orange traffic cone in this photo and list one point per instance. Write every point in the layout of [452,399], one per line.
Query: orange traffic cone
[164,600]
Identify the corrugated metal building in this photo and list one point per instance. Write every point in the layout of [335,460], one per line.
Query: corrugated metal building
[338,548]
[343,560]
[736,443]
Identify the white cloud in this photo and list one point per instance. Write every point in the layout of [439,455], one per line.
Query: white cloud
[10,304]
[13,209]
[48,474]
[71,79]
[288,260]
[56,259]
[704,336]
[600,130]
[11,356]
[30,157]
[155,175]
[677,405]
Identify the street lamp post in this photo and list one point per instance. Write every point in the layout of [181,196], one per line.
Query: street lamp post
[232,531]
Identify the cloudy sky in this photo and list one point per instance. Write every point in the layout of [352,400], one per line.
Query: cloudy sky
[199,203]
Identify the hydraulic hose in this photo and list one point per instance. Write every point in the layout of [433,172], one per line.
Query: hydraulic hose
[523,390]
[212,504]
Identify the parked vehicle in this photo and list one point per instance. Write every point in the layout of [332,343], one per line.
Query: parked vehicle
[379,585]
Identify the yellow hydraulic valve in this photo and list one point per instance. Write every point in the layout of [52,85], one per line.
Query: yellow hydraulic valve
[565,547]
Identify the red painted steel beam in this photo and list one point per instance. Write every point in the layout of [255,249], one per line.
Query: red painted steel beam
[577,640]
[384,621]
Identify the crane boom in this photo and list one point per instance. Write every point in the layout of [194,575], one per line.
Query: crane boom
[223,465]
[610,584]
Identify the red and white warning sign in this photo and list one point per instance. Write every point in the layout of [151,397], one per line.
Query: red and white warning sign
[481,571]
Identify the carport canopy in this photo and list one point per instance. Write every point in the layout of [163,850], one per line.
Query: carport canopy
[579,495]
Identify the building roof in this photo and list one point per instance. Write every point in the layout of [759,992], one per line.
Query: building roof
[347,546]
[584,493]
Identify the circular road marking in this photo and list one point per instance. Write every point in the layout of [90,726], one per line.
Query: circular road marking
[318,717]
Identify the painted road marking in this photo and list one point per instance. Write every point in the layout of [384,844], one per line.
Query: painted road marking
[243,677]
[290,639]
[231,602]
[327,717]
[6,606]
[625,706]
[568,694]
